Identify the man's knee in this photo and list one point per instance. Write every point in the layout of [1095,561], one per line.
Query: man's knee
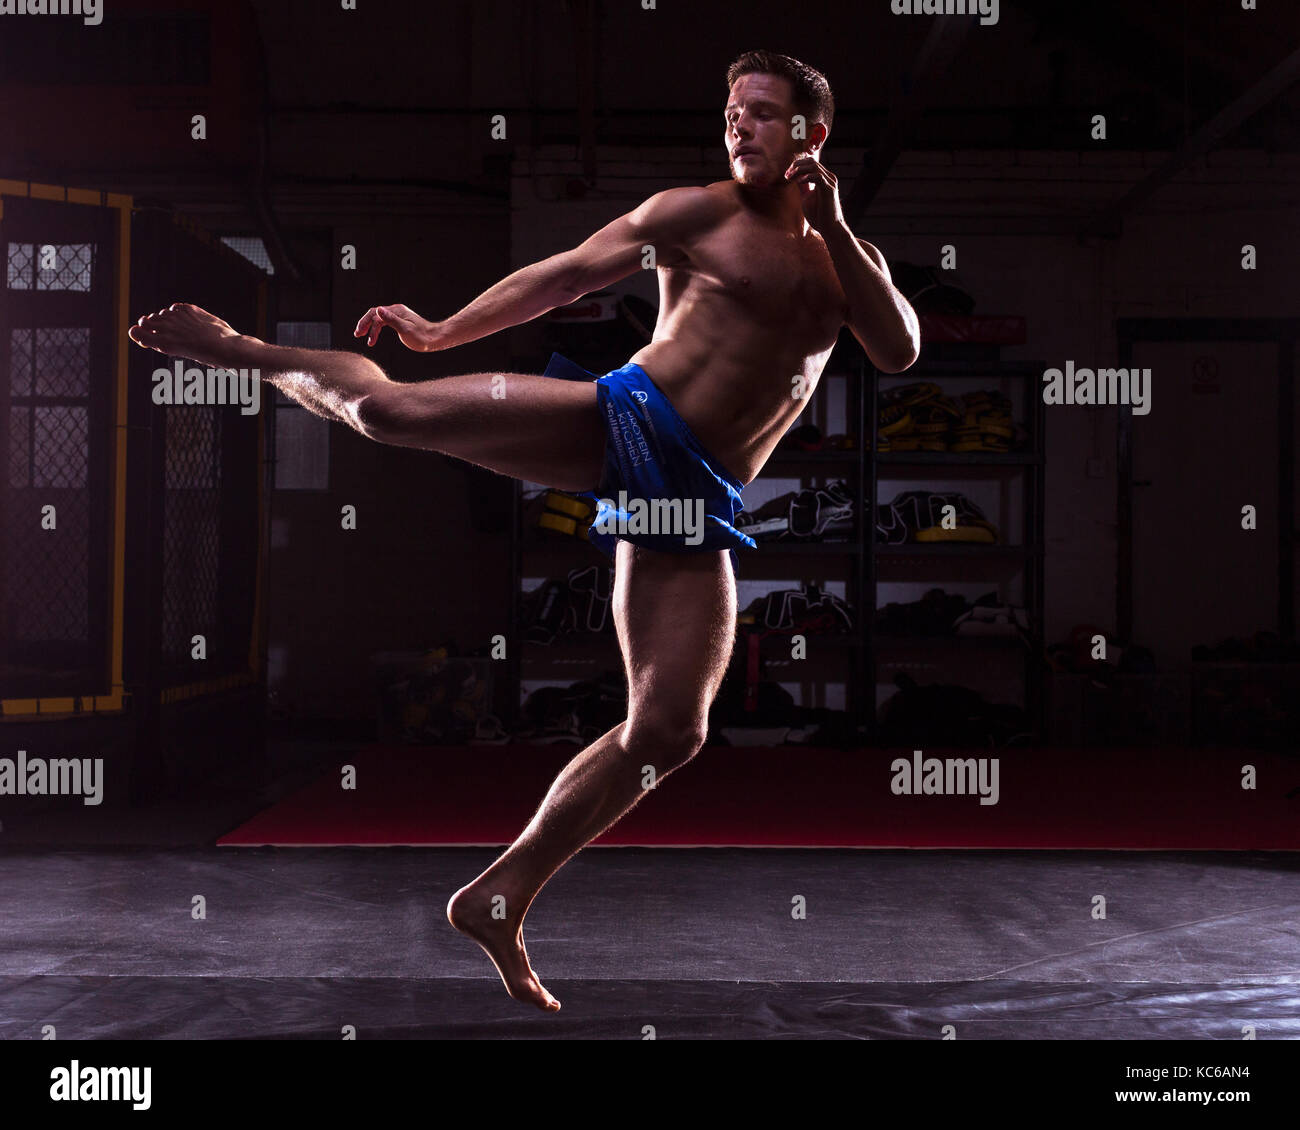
[665,739]
[386,414]
[374,413]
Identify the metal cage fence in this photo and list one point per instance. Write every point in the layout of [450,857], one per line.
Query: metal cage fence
[127,527]
[56,426]
[207,477]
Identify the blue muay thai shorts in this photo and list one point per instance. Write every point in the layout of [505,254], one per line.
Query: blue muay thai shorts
[660,488]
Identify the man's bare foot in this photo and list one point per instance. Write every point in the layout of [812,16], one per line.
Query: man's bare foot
[470,911]
[183,330]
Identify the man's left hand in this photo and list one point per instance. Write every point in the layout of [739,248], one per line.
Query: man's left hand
[819,192]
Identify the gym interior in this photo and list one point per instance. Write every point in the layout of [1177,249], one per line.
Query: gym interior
[1007,747]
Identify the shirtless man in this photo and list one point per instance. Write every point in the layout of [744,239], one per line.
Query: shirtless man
[757,274]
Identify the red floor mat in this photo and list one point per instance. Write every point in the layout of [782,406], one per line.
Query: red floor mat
[794,796]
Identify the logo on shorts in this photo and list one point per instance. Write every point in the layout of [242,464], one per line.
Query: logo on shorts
[639,396]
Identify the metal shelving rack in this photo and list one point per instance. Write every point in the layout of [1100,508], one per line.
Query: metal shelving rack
[1028,554]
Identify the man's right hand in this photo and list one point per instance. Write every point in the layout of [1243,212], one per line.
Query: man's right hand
[413,331]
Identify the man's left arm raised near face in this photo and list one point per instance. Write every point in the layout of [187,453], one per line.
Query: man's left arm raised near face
[881,319]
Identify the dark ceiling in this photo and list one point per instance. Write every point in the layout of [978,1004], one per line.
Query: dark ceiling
[306,97]
[1158,69]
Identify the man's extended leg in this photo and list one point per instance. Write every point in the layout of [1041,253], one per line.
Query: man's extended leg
[529,427]
[676,621]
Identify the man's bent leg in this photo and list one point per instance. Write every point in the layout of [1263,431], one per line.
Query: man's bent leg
[529,427]
[676,621]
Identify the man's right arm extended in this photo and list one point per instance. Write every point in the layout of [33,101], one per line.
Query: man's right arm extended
[612,253]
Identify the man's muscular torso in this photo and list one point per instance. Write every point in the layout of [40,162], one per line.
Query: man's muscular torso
[746,307]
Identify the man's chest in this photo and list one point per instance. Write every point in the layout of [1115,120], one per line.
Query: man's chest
[774,274]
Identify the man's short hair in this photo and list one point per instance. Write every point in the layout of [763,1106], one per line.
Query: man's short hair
[812,93]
